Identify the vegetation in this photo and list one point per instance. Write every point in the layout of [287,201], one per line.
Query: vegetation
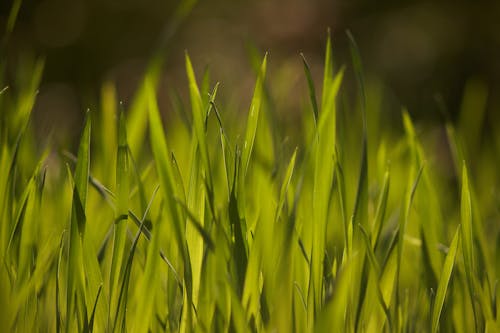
[209,225]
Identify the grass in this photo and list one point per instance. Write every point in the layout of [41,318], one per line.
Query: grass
[208,227]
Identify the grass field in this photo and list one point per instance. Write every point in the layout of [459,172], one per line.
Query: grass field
[210,223]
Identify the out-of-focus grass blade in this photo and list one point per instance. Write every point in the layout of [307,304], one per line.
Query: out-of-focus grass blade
[333,317]
[199,116]
[58,276]
[408,200]
[164,166]
[121,217]
[108,126]
[239,246]
[83,163]
[466,217]
[444,281]
[468,239]
[169,191]
[378,272]
[75,276]
[14,10]
[137,114]
[312,91]
[361,202]
[123,294]
[92,316]
[253,117]
[381,208]
[358,68]
[328,72]
[369,250]
[192,218]
[285,184]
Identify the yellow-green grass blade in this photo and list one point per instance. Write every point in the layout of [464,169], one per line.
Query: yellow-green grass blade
[121,215]
[137,119]
[164,169]
[58,309]
[327,72]
[75,275]
[381,209]
[333,317]
[285,185]
[108,130]
[14,11]
[444,281]
[310,86]
[468,240]
[199,116]
[252,120]
[360,213]
[324,162]
[175,214]
[120,316]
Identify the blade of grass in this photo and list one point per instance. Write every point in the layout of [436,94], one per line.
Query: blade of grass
[468,240]
[444,281]
[252,120]
[312,91]
[120,224]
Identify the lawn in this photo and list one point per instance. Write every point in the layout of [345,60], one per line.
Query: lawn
[207,220]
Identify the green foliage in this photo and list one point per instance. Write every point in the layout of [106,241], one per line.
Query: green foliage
[204,228]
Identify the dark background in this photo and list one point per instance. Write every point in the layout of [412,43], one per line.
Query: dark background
[418,49]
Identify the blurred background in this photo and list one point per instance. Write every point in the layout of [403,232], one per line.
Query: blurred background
[425,55]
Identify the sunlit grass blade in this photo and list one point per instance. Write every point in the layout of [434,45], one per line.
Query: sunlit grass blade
[253,117]
[327,72]
[137,119]
[164,167]
[285,184]
[312,91]
[175,217]
[92,315]
[468,240]
[120,315]
[198,226]
[58,277]
[381,209]
[121,217]
[444,281]
[199,116]
[75,275]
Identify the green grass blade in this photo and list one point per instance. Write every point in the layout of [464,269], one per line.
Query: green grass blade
[444,281]
[75,276]
[381,208]
[58,277]
[285,185]
[468,240]
[199,116]
[327,74]
[14,11]
[312,91]
[83,163]
[253,117]
[121,217]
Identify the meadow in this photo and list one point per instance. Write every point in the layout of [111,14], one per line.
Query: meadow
[210,220]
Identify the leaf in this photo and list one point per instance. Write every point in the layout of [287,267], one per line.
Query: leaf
[444,281]
[285,184]
[253,117]
[199,116]
[381,208]
[310,85]
[120,225]
[75,277]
